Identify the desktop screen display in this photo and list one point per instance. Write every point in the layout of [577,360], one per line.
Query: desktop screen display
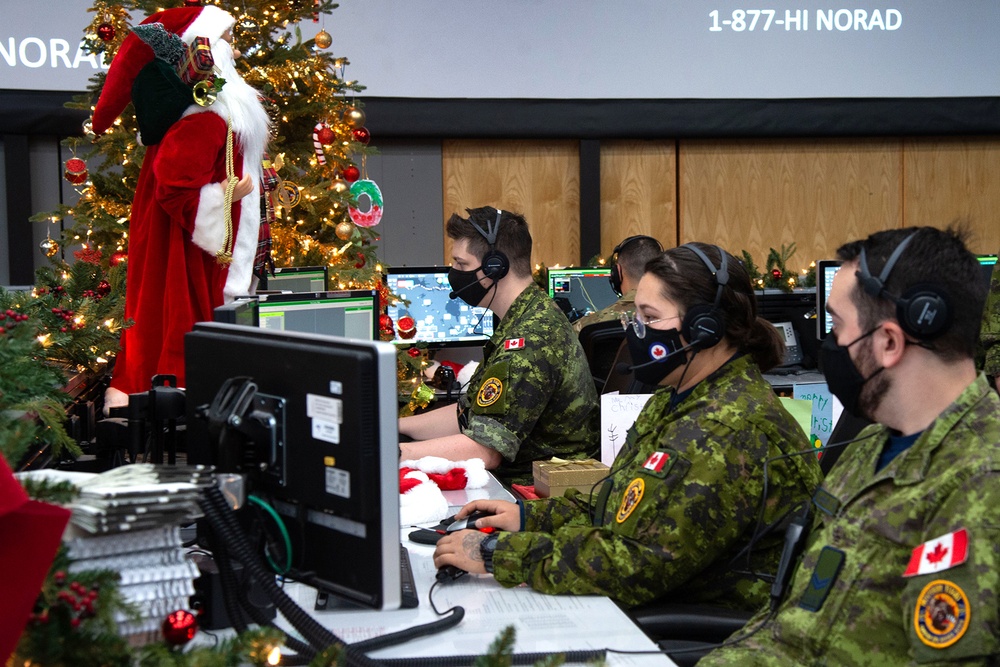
[988,264]
[351,314]
[581,290]
[311,421]
[440,319]
[826,269]
[298,279]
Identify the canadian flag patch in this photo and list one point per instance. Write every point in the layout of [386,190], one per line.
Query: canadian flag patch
[939,554]
[513,344]
[656,461]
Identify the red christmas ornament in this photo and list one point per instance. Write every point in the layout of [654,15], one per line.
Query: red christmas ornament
[76,171]
[106,32]
[326,136]
[383,297]
[89,255]
[413,352]
[351,173]
[385,327]
[117,258]
[179,627]
[360,264]
[362,135]
[776,273]
[407,327]
[192,3]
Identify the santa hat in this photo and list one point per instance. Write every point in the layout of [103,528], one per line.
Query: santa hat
[421,482]
[134,55]
[32,531]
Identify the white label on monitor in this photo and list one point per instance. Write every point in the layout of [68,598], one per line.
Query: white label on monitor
[336,387]
[325,407]
[338,482]
[326,431]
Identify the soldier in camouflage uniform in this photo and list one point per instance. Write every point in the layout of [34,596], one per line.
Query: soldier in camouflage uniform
[532,397]
[991,330]
[902,566]
[628,261]
[683,511]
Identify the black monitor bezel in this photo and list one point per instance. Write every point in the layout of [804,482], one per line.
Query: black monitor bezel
[822,296]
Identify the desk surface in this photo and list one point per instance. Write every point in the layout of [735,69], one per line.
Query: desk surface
[542,622]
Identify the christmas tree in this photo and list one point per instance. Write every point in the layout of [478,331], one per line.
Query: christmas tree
[318,145]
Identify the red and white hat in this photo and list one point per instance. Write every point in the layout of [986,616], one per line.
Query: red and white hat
[134,54]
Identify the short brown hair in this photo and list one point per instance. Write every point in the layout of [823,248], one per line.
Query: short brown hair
[513,238]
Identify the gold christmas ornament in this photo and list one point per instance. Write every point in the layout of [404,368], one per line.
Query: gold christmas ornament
[344,230]
[340,186]
[50,247]
[354,117]
[323,39]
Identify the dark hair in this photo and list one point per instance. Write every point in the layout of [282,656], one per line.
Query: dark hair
[688,282]
[635,254]
[935,257]
[513,237]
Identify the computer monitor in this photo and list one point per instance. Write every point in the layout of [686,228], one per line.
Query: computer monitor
[441,320]
[242,311]
[298,279]
[826,269]
[315,434]
[350,313]
[796,308]
[581,290]
[988,264]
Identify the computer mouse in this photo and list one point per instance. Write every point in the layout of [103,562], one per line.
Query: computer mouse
[449,573]
[468,522]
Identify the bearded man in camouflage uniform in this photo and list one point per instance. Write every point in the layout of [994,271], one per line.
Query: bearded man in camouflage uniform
[683,510]
[902,566]
[532,398]
[628,261]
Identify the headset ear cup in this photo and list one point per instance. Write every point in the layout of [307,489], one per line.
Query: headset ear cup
[703,326]
[924,312]
[495,265]
[615,277]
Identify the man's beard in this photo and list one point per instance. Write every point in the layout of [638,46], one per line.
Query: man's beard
[877,386]
[239,104]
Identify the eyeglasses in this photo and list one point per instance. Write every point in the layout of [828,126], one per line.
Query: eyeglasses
[639,325]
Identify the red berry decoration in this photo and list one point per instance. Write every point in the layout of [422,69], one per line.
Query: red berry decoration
[106,32]
[407,327]
[362,135]
[179,627]
[326,136]
[776,273]
[351,173]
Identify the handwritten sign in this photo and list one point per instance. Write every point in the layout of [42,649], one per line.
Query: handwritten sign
[618,413]
[826,410]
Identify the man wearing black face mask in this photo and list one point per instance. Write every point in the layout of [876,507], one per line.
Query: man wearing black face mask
[532,398]
[903,560]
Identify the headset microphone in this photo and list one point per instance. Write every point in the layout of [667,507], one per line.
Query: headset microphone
[452,295]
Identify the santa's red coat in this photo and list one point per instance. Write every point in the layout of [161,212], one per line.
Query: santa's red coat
[176,227]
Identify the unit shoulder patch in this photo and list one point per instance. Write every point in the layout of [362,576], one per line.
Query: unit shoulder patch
[942,614]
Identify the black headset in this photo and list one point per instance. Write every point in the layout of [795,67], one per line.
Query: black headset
[923,311]
[704,325]
[495,264]
[615,276]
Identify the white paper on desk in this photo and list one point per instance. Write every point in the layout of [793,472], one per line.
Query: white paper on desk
[618,413]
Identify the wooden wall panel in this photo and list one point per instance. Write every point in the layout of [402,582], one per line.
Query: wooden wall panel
[638,191]
[759,194]
[954,179]
[540,179]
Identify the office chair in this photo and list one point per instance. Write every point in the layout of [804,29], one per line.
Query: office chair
[696,628]
[600,343]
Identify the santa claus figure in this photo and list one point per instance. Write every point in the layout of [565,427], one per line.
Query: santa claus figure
[193,231]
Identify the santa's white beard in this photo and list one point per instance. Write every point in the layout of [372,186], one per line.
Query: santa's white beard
[239,104]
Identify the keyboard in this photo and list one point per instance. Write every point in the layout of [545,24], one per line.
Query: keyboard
[408,587]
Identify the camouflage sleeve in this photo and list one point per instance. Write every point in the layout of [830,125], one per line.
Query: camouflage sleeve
[680,523]
[968,594]
[990,336]
[512,395]
[549,514]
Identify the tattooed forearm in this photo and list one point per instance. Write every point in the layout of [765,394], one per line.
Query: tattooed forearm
[470,545]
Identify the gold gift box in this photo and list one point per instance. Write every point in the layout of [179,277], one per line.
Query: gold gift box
[553,478]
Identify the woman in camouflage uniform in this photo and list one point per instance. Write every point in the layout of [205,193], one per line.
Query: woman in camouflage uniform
[683,507]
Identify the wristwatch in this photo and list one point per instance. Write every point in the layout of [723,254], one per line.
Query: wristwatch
[486,549]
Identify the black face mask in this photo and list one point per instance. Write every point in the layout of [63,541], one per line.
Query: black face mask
[842,375]
[466,286]
[653,357]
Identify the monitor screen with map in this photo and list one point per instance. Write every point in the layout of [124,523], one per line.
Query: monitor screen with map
[440,319]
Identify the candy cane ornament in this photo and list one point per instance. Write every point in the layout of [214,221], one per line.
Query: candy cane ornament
[317,145]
